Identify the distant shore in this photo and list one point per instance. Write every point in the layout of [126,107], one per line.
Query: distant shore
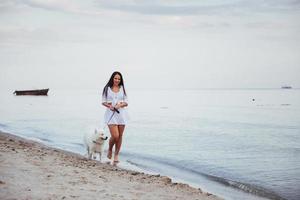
[31,170]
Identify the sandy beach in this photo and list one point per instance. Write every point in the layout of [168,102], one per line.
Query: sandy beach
[31,170]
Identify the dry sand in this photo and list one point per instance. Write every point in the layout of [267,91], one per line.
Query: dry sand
[30,170]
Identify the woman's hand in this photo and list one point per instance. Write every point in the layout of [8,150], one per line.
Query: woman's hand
[119,105]
[108,105]
[123,104]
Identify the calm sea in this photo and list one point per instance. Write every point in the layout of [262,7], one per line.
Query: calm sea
[238,143]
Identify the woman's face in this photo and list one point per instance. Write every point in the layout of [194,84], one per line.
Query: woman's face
[117,79]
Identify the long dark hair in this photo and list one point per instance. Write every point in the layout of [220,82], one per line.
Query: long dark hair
[110,83]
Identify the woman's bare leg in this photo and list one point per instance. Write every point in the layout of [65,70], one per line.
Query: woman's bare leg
[119,143]
[111,144]
[114,132]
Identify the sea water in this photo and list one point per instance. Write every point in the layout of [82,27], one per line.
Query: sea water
[235,143]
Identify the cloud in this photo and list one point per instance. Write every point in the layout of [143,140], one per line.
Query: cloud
[190,7]
[160,7]
[63,5]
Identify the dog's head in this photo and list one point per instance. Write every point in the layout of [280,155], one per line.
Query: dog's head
[99,137]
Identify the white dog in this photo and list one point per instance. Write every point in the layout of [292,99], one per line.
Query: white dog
[94,143]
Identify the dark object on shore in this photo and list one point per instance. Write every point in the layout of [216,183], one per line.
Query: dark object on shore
[32,92]
[286,87]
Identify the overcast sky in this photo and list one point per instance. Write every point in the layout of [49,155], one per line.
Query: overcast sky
[155,44]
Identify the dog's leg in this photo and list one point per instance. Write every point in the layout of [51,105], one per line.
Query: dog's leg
[87,150]
[89,153]
[100,155]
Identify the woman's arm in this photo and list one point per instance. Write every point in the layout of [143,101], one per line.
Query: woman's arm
[124,104]
[121,105]
[108,105]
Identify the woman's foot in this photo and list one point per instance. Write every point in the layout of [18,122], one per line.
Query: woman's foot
[116,158]
[115,163]
[109,154]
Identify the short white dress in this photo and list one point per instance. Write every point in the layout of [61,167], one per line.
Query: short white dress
[112,117]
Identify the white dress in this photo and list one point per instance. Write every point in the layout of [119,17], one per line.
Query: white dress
[112,117]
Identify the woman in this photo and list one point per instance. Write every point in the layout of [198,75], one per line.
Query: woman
[115,99]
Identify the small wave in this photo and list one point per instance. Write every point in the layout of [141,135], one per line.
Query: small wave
[78,144]
[137,164]
[248,188]
[45,139]
[3,126]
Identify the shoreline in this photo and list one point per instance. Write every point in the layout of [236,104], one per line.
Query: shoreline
[32,170]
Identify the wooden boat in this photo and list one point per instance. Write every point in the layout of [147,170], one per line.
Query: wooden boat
[286,87]
[32,92]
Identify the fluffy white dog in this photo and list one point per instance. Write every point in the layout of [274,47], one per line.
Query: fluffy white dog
[94,143]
